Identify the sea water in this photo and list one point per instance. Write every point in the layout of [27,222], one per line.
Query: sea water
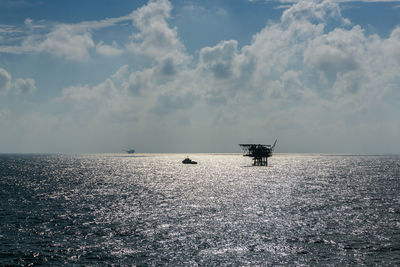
[152,210]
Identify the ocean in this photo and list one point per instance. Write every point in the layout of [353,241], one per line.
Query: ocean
[152,210]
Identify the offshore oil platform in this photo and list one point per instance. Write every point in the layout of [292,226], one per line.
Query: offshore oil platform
[259,153]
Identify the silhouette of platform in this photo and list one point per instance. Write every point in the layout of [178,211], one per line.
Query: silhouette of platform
[260,153]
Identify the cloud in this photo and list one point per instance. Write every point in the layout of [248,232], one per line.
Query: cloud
[66,42]
[70,41]
[24,86]
[303,73]
[5,81]
[7,29]
[288,64]
[314,12]
[108,50]
[86,94]
[63,41]
[167,67]
[140,81]
[169,102]
[330,59]
[312,78]
[219,59]
[155,38]
[121,73]
[20,86]
[105,100]
[28,21]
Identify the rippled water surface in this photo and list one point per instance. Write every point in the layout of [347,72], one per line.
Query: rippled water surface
[153,210]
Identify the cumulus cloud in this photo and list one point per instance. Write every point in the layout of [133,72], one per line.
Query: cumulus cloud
[24,86]
[219,59]
[66,42]
[287,64]
[167,67]
[121,73]
[5,81]
[105,99]
[311,77]
[70,41]
[344,73]
[140,81]
[155,38]
[19,86]
[63,41]
[108,50]
[329,59]
[313,11]
[87,94]
[168,102]
[28,21]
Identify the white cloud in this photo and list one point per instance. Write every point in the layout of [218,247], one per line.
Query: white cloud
[28,21]
[65,41]
[300,72]
[75,41]
[121,73]
[168,102]
[24,86]
[300,78]
[86,94]
[289,64]
[21,86]
[330,59]
[314,11]
[219,59]
[32,25]
[140,81]
[155,38]
[5,81]
[106,99]
[70,41]
[311,78]
[7,29]
[108,50]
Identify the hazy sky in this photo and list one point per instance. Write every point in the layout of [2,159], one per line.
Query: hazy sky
[199,76]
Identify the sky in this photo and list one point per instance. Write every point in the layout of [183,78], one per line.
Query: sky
[100,76]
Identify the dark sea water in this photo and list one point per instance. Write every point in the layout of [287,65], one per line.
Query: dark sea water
[151,210]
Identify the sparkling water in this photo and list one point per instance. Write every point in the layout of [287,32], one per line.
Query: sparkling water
[150,209]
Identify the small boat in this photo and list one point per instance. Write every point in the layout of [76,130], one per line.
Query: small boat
[188,161]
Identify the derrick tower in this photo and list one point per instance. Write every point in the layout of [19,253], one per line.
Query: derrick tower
[259,153]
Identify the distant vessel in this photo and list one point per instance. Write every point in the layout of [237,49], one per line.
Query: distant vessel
[188,161]
[130,151]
